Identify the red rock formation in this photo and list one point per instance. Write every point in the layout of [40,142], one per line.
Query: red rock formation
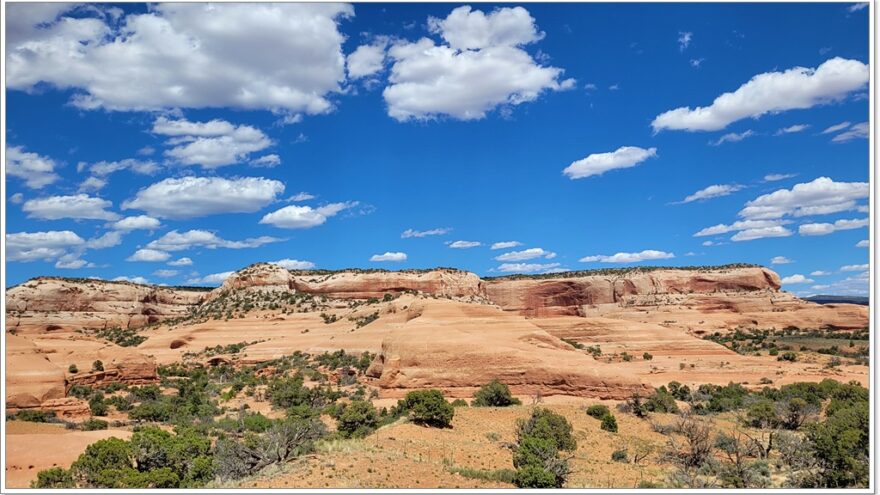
[55,304]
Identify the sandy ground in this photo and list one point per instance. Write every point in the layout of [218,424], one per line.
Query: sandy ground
[33,447]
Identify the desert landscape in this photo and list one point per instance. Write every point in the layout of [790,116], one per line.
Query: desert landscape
[90,359]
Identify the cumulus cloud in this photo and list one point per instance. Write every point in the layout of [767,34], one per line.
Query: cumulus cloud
[79,206]
[181,55]
[366,60]
[526,254]
[267,161]
[148,255]
[464,244]
[739,225]
[389,256]
[819,273]
[424,233]
[212,279]
[648,254]
[137,222]
[301,196]
[829,228]
[181,262]
[506,244]
[819,197]
[480,67]
[180,241]
[733,137]
[771,92]
[304,217]
[192,197]
[760,233]
[292,264]
[527,267]
[72,261]
[104,168]
[35,170]
[165,273]
[780,260]
[713,191]
[854,268]
[599,163]
[107,240]
[92,184]
[796,279]
[212,144]
[863,244]
[46,246]
[857,131]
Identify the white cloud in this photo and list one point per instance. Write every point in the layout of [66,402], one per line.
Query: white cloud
[302,196]
[819,273]
[366,60]
[35,170]
[192,197]
[713,191]
[796,279]
[146,151]
[138,222]
[424,233]
[760,233]
[771,92]
[104,168]
[526,267]
[776,177]
[646,255]
[212,144]
[828,228]
[108,240]
[282,57]
[710,243]
[599,163]
[213,279]
[526,254]
[506,244]
[267,161]
[92,184]
[837,127]
[697,62]
[780,260]
[464,244]
[80,206]
[819,197]
[47,246]
[792,129]
[389,256]
[857,7]
[292,264]
[148,255]
[16,198]
[72,261]
[733,137]
[304,217]
[857,131]
[863,244]
[481,68]
[179,241]
[684,40]
[134,280]
[181,262]
[739,225]
[854,268]
[165,273]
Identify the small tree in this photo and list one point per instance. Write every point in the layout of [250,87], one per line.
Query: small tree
[72,369]
[55,477]
[494,394]
[98,365]
[428,407]
[597,411]
[609,423]
[647,356]
[358,419]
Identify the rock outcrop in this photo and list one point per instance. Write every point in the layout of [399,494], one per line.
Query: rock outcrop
[58,304]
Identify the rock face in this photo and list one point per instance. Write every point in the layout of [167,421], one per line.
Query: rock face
[351,284]
[571,296]
[57,304]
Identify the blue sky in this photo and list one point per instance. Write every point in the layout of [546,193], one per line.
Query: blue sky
[322,134]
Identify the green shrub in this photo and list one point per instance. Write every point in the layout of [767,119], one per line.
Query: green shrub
[151,411]
[72,369]
[597,411]
[93,424]
[459,403]
[502,475]
[787,356]
[534,476]
[647,356]
[107,454]
[34,416]
[620,455]
[494,394]
[55,477]
[358,419]
[98,406]
[98,366]
[609,423]
[544,423]
[428,407]
[536,457]
[256,422]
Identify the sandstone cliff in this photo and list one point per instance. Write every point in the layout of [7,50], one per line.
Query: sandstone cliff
[57,304]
